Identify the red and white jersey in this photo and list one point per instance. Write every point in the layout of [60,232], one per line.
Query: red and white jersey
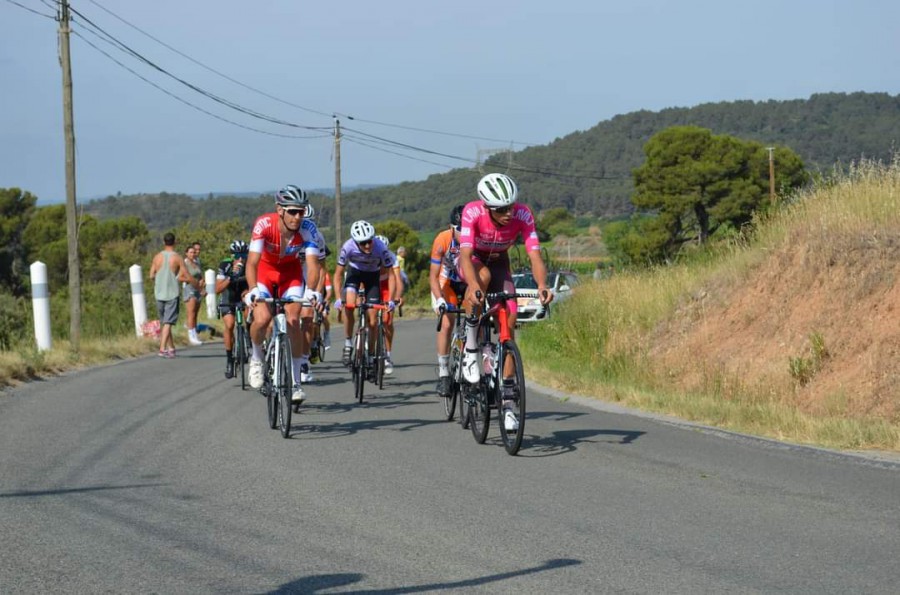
[266,240]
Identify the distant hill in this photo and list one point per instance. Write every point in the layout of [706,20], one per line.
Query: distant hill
[589,172]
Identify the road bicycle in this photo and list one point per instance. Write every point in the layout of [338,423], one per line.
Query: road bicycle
[457,351]
[501,365]
[241,349]
[278,377]
[317,345]
[364,366]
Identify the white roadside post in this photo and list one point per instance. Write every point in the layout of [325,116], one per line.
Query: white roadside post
[40,301]
[210,277]
[138,302]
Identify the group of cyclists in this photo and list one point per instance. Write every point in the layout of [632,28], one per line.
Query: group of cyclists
[286,254]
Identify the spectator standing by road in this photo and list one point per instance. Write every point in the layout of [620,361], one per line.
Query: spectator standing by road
[193,292]
[166,270]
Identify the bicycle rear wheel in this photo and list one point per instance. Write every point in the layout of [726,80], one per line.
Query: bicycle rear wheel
[480,412]
[285,386]
[512,439]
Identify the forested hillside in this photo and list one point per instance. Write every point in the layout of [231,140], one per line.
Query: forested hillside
[587,172]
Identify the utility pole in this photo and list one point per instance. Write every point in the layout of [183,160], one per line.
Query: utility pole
[337,185]
[771,174]
[71,207]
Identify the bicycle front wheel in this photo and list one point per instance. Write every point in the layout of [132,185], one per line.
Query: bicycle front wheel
[379,357]
[479,412]
[239,353]
[360,370]
[512,437]
[285,386]
[269,388]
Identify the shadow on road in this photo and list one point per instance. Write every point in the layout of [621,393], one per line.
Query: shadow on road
[64,491]
[565,441]
[319,583]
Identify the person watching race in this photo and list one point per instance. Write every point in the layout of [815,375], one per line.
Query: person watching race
[386,297]
[231,284]
[489,227]
[365,260]
[446,286]
[274,260]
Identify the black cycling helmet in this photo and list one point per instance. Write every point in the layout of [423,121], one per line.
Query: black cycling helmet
[239,247]
[456,215]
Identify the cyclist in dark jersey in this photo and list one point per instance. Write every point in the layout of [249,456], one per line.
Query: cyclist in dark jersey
[231,284]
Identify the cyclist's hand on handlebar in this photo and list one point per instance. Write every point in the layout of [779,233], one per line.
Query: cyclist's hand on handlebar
[391,305]
[473,296]
[338,304]
[546,296]
[439,304]
[251,296]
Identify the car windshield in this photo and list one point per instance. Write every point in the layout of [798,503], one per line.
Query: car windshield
[524,281]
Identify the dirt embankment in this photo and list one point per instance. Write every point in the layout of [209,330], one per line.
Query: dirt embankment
[830,306]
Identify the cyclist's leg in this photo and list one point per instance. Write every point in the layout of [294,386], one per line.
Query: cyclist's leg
[294,288]
[228,340]
[388,325]
[471,364]
[443,339]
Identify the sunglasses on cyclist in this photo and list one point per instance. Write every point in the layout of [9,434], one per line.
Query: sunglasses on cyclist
[501,210]
[295,212]
[363,243]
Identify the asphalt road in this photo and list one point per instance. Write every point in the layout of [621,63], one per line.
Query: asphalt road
[155,475]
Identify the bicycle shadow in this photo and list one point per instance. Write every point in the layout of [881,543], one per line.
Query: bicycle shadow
[322,582]
[319,430]
[567,441]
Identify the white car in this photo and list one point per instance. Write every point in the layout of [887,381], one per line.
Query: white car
[530,308]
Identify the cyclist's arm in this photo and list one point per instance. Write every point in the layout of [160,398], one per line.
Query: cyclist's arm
[338,279]
[473,283]
[251,268]
[539,271]
[313,271]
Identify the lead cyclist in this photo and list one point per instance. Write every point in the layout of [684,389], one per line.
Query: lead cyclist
[489,227]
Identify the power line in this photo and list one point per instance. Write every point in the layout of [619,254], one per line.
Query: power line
[221,100]
[209,68]
[383,150]
[301,107]
[188,103]
[37,12]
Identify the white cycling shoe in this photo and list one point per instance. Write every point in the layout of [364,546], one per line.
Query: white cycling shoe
[471,367]
[388,366]
[509,421]
[298,396]
[255,373]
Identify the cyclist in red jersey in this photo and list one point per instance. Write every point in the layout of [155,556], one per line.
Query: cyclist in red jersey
[276,244]
[489,227]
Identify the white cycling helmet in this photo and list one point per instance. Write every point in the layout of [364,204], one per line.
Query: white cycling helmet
[497,190]
[291,196]
[384,240]
[310,212]
[362,231]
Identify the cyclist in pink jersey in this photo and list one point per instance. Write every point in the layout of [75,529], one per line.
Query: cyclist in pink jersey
[277,242]
[489,227]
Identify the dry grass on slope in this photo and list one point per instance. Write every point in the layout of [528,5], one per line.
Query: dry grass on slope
[815,327]
[796,336]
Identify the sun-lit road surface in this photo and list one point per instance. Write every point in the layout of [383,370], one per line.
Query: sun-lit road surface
[161,476]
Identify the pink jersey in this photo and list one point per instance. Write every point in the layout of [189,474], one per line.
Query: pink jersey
[480,233]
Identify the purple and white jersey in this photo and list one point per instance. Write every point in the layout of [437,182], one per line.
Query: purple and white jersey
[354,257]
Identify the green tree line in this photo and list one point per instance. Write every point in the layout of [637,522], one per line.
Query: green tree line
[823,130]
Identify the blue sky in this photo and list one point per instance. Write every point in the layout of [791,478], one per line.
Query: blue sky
[507,72]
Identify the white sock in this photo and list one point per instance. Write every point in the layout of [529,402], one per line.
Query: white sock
[295,368]
[443,365]
[257,352]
